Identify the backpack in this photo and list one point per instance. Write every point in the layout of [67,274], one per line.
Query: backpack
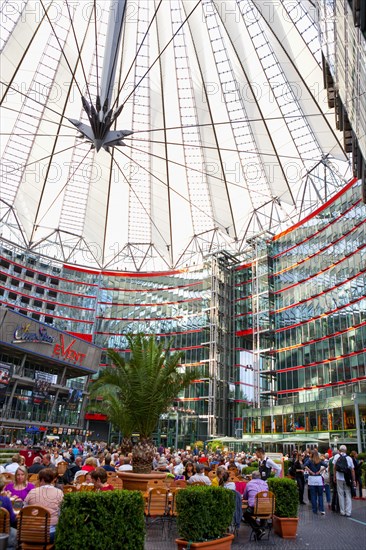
[342,464]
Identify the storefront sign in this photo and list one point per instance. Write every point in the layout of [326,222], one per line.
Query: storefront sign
[36,338]
[22,334]
[68,353]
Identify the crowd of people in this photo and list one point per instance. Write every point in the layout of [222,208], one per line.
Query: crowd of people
[321,474]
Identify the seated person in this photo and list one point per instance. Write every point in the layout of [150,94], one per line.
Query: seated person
[219,472]
[37,466]
[199,476]
[14,464]
[255,486]
[107,463]
[6,503]
[100,479]
[225,481]
[20,487]
[48,496]
[90,464]
[73,468]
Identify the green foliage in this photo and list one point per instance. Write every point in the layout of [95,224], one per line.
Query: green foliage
[96,521]
[199,444]
[286,466]
[254,464]
[287,496]
[135,393]
[204,513]
[249,470]
[212,446]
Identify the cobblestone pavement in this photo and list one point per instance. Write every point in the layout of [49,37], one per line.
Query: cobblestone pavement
[329,532]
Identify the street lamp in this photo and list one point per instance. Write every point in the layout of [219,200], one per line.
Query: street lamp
[354,398]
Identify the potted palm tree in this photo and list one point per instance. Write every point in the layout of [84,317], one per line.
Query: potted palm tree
[204,515]
[134,393]
[286,517]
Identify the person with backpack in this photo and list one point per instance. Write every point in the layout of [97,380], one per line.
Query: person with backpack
[344,477]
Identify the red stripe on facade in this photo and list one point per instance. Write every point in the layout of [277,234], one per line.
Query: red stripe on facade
[317,211]
[126,274]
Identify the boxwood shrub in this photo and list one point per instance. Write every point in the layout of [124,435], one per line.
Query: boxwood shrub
[204,513]
[287,496]
[101,520]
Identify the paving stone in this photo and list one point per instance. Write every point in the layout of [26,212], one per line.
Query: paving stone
[315,532]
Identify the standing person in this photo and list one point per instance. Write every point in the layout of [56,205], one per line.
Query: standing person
[297,472]
[326,480]
[266,465]
[344,475]
[315,467]
[357,464]
[48,496]
[332,482]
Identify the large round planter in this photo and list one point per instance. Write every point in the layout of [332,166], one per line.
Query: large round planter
[138,482]
[285,527]
[221,544]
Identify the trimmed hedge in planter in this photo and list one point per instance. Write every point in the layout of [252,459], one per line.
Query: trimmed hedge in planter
[204,513]
[96,521]
[287,496]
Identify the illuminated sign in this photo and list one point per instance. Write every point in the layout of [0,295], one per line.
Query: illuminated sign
[68,353]
[23,335]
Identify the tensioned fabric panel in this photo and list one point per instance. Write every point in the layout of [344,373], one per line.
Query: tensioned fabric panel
[232,133]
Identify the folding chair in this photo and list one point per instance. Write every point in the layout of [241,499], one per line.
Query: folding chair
[34,529]
[157,506]
[116,482]
[155,483]
[172,505]
[69,489]
[62,467]
[264,506]
[4,521]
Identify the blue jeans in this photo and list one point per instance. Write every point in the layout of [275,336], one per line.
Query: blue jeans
[316,496]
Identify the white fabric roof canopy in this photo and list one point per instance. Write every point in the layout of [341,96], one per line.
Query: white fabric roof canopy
[232,133]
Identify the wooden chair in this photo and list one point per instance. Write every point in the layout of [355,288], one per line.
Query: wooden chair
[157,506]
[211,474]
[178,483]
[9,478]
[111,474]
[116,482]
[69,489]
[197,483]
[155,483]
[233,478]
[34,529]
[62,467]
[4,521]
[172,505]
[264,507]
[33,478]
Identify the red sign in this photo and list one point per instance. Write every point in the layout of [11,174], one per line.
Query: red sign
[69,353]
